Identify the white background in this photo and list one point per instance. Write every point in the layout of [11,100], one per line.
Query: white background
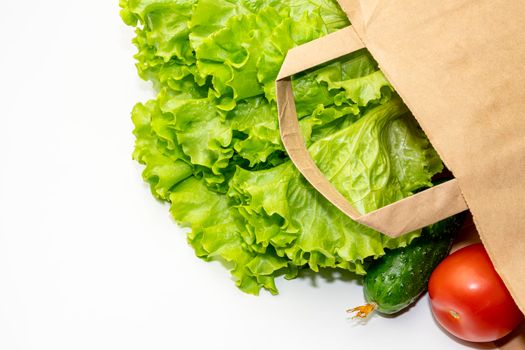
[88,259]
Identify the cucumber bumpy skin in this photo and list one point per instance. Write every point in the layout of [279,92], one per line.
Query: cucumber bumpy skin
[398,278]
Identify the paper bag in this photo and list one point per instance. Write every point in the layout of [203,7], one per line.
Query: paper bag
[459,65]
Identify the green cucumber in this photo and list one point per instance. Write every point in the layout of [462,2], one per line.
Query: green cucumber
[398,278]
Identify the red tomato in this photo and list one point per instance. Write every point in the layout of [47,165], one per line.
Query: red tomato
[469,299]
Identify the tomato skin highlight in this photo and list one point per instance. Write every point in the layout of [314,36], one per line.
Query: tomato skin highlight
[469,299]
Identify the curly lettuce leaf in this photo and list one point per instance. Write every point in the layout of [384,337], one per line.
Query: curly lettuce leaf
[165,25]
[210,140]
[203,136]
[166,164]
[364,163]
[216,234]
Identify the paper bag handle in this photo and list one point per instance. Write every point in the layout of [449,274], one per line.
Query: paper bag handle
[406,215]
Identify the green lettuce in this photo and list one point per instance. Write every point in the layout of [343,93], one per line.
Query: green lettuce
[210,140]
[365,164]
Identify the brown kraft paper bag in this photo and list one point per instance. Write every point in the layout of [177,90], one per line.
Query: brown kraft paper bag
[459,65]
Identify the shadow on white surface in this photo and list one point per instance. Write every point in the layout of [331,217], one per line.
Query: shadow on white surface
[329,275]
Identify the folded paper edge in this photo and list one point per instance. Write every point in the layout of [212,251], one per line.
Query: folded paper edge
[417,211]
[322,50]
[394,220]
